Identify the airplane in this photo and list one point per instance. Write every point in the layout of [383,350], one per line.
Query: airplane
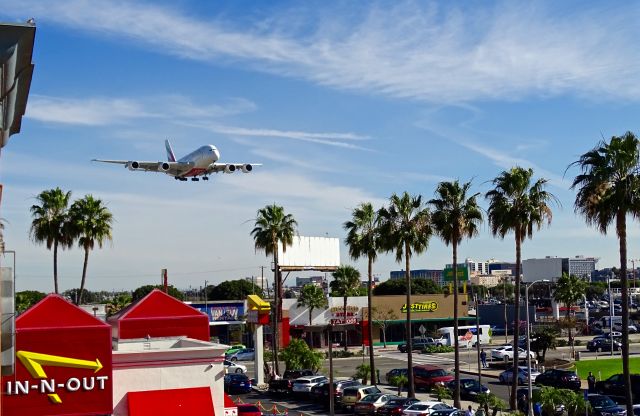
[201,162]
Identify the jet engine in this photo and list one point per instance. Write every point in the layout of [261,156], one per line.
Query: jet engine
[230,169]
[246,168]
[163,166]
[133,165]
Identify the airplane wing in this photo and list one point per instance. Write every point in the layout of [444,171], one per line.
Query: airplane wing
[231,167]
[163,167]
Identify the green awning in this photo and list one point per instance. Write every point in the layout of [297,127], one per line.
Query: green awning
[465,318]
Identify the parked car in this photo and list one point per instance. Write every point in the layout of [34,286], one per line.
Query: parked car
[396,372]
[303,385]
[248,409]
[603,344]
[507,351]
[395,406]
[419,344]
[245,354]
[284,385]
[617,326]
[424,408]
[614,387]
[370,403]
[507,376]
[234,348]
[320,392]
[231,367]
[426,376]
[469,388]
[566,379]
[351,395]
[236,383]
[602,405]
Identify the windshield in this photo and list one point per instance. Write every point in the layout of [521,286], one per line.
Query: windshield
[601,401]
[370,398]
[418,407]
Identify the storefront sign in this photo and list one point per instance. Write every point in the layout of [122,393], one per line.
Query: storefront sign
[222,313]
[339,317]
[428,306]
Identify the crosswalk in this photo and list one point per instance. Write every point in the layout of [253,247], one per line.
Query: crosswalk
[435,359]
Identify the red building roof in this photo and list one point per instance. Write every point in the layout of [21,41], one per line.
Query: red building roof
[159,315]
[54,311]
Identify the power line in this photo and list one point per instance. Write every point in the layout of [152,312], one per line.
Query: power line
[118,276]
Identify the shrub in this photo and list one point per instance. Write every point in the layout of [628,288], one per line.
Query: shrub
[298,355]
[441,392]
[562,343]
[362,372]
[399,381]
[437,349]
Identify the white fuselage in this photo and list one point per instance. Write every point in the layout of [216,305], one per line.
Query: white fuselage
[201,158]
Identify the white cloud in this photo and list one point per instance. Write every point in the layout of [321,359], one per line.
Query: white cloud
[411,50]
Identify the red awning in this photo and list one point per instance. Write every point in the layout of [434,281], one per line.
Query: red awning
[228,401]
[195,401]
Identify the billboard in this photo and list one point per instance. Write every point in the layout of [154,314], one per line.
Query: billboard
[462,272]
[310,253]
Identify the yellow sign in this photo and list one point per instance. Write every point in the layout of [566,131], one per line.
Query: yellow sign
[428,306]
[34,361]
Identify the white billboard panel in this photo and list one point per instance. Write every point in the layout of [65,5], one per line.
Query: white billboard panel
[310,253]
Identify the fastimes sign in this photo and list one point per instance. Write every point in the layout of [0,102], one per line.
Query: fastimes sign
[63,363]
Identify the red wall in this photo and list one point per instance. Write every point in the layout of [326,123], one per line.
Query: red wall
[191,326]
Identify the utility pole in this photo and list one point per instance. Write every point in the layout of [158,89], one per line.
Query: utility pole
[206,305]
[262,278]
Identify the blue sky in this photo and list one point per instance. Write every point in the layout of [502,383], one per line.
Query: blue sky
[341,102]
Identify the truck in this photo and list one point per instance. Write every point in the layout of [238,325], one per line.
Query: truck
[284,384]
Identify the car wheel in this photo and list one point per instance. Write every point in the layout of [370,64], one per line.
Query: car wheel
[234,359]
[239,371]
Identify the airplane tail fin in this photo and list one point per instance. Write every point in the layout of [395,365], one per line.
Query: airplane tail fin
[170,156]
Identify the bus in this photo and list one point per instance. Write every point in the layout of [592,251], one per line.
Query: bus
[467,336]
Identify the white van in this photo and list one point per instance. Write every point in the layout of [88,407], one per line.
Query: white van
[467,336]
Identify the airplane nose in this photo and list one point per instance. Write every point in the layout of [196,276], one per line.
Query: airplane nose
[217,153]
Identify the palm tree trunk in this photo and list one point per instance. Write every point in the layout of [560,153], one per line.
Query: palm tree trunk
[516,320]
[310,332]
[568,305]
[621,224]
[276,318]
[84,275]
[456,341]
[344,321]
[412,386]
[55,266]
[370,329]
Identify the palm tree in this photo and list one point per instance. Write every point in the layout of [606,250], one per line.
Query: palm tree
[272,228]
[515,204]
[345,283]
[50,225]
[569,290]
[91,224]
[455,216]
[405,228]
[609,190]
[362,239]
[312,297]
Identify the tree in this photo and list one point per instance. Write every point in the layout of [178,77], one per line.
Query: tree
[399,381]
[345,283]
[312,297]
[516,205]
[298,355]
[362,373]
[143,291]
[569,290]
[87,295]
[381,318]
[543,340]
[119,302]
[50,224]
[608,191]
[398,287]
[490,400]
[26,299]
[91,224]
[363,241]
[595,290]
[405,228]
[455,216]
[233,290]
[273,227]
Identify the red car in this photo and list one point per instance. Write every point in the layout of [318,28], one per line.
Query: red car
[426,376]
[248,409]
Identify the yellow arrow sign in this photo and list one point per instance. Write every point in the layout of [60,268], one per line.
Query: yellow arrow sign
[34,361]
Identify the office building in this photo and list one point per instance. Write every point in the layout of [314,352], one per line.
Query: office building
[432,274]
[552,268]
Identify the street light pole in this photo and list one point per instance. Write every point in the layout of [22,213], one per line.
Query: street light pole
[529,390]
[478,342]
[611,314]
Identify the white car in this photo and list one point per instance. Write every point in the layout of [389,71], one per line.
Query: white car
[231,367]
[305,384]
[507,351]
[424,408]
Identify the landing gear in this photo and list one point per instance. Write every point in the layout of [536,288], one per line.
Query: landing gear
[179,178]
[205,178]
[195,179]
